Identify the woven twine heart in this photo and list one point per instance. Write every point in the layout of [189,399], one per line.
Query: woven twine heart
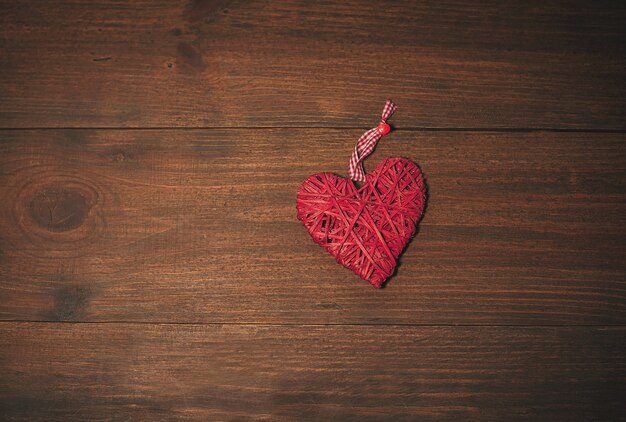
[365,229]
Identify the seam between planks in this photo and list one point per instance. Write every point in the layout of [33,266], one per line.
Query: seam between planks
[266,324]
[337,128]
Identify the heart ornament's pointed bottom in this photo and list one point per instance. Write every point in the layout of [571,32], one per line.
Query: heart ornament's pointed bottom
[365,229]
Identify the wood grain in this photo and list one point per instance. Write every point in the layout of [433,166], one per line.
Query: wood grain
[281,373]
[200,226]
[232,63]
[151,264]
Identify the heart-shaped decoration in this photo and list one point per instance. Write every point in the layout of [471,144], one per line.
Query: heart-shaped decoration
[365,229]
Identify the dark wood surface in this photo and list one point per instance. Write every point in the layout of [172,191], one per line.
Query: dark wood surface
[151,265]
[180,226]
[286,373]
[212,63]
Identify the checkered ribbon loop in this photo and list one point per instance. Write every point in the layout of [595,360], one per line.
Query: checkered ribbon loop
[367,142]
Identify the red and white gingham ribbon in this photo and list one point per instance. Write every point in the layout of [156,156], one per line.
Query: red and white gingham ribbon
[366,144]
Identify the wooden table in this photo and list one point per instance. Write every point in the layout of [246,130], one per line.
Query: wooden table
[151,263]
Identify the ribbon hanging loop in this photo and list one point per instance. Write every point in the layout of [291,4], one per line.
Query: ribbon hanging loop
[367,142]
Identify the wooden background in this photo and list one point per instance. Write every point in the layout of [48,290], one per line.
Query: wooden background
[151,265]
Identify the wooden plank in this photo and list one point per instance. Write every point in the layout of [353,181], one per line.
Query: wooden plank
[180,226]
[212,63]
[285,373]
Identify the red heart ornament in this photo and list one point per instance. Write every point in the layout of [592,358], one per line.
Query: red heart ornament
[365,229]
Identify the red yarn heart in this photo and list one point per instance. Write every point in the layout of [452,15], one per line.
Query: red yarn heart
[365,229]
